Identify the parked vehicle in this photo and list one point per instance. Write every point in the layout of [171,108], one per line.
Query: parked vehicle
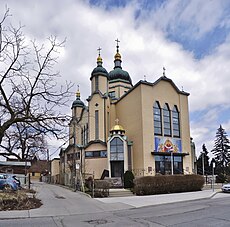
[225,188]
[14,177]
[8,182]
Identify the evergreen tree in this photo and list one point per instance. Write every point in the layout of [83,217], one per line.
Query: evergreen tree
[203,160]
[221,149]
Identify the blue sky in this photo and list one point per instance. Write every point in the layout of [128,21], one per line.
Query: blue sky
[190,38]
[181,33]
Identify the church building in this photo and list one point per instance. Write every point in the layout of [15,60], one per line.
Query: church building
[143,127]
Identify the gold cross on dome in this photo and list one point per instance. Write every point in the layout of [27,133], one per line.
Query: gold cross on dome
[117,121]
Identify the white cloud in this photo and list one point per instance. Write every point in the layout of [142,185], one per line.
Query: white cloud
[145,47]
[189,17]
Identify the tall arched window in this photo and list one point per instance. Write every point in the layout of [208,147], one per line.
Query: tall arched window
[157,119]
[176,122]
[116,149]
[87,133]
[167,120]
[82,136]
[96,83]
[96,124]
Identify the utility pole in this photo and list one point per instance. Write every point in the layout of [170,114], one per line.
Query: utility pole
[203,162]
[48,162]
[172,162]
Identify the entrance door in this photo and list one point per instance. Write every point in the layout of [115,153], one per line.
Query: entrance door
[117,169]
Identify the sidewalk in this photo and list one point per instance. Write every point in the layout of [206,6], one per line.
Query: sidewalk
[59,201]
[141,201]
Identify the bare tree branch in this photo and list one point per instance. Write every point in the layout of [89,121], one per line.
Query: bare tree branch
[29,92]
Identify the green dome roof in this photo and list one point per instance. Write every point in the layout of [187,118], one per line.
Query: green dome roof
[119,73]
[99,70]
[78,102]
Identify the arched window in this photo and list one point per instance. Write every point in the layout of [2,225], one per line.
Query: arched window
[116,149]
[87,133]
[82,136]
[96,124]
[96,83]
[176,122]
[157,119]
[167,120]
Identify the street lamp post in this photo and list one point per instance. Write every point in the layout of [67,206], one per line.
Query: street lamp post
[213,167]
[171,162]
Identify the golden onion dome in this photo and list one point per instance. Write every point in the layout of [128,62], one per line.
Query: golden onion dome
[117,56]
[117,128]
[78,94]
[99,59]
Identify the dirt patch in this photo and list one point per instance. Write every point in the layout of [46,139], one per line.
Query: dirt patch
[23,199]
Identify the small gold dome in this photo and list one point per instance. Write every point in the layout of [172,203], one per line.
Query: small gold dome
[78,94]
[117,56]
[117,128]
[99,59]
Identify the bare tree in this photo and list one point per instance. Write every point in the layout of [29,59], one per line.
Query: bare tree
[29,92]
[23,142]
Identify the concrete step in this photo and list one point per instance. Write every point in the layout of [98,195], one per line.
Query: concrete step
[120,192]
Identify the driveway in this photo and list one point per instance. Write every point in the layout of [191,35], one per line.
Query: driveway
[59,201]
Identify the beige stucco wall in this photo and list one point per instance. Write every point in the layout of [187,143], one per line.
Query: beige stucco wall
[147,100]
[55,167]
[173,98]
[129,113]
[102,84]
[96,166]
[101,107]
[120,88]
[135,112]
[79,124]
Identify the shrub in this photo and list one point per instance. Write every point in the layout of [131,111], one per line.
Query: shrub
[128,179]
[151,185]
[101,188]
[221,178]
[89,183]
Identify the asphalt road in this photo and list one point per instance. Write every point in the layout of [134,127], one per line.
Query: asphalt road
[206,212]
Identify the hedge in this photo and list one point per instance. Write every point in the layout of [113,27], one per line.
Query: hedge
[101,188]
[150,185]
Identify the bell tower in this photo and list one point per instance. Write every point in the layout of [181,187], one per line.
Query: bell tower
[99,77]
[119,80]
[98,102]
